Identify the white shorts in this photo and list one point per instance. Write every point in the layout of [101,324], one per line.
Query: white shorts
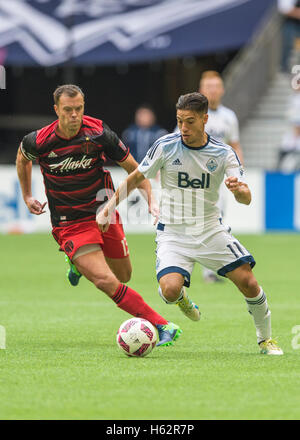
[217,250]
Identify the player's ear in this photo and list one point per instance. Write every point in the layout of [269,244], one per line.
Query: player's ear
[55,109]
[205,119]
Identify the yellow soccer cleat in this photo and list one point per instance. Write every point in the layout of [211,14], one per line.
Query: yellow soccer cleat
[270,346]
[189,308]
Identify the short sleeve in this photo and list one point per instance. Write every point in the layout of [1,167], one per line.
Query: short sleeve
[28,146]
[153,161]
[113,146]
[233,166]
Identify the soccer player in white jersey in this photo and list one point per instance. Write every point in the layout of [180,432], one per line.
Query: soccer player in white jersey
[223,125]
[192,167]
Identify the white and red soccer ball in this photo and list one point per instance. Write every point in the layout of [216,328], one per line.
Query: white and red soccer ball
[136,337]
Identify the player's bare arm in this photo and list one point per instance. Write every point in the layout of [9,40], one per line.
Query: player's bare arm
[239,189]
[24,170]
[130,165]
[133,181]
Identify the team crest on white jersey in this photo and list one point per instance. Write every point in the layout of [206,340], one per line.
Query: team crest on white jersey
[212,165]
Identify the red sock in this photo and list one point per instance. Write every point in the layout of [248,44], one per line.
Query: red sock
[132,302]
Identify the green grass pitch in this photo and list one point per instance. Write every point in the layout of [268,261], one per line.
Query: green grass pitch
[61,360]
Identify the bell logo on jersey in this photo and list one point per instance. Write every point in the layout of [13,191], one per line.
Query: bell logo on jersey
[70,164]
[184,181]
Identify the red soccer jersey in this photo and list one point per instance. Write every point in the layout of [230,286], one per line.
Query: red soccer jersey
[75,182]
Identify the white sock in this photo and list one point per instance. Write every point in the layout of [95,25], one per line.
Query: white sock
[258,308]
[170,302]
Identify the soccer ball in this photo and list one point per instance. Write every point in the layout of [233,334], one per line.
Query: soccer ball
[136,337]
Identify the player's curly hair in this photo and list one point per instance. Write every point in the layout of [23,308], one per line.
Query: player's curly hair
[193,101]
[67,89]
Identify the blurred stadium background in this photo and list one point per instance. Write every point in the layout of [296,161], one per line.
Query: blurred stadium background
[127,52]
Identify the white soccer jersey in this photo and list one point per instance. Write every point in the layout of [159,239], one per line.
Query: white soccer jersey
[190,180]
[223,125]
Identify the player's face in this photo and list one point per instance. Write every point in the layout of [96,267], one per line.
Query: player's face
[70,112]
[213,89]
[192,127]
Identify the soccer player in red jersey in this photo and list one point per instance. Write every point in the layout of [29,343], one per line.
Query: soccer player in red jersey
[70,152]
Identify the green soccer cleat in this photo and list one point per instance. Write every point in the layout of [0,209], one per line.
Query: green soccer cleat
[168,334]
[72,274]
[189,308]
[270,346]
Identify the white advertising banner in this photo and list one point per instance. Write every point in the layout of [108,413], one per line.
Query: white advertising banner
[14,216]
[245,219]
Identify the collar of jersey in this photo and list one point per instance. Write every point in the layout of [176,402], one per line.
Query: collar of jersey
[196,148]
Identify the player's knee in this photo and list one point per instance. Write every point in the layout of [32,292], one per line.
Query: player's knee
[249,284]
[252,284]
[171,292]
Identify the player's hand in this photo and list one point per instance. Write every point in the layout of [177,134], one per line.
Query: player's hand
[34,206]
[240,190]
[233,184]
[103,220]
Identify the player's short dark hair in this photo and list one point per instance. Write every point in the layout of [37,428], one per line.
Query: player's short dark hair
[193,101]
[67,89]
